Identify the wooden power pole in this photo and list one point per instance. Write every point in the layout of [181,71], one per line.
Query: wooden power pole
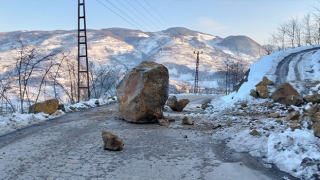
[83,69]
[196,85]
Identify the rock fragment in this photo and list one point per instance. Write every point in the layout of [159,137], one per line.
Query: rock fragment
[111,141]
[295,126]
[316,129]
[292,116]
[312,98]
[255,133]
[187,121]
[274,115]
[287,95]
[163,122]
[265,81]
[253,93]
[177,105]
[244,105]
[263,91]
[204,106]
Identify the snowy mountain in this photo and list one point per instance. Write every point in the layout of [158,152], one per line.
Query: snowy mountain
[172,47]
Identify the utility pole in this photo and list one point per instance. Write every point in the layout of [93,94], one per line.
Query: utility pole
[83,69]
[227,80]
[196,85]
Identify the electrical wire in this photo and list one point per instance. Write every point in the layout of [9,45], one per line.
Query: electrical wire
[143,15]
[162,17]
[127,15]
[136,15]
[118,14]
[150,13]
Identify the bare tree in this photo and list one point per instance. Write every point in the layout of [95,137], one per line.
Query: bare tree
[275,42]
[105,77]
[316,32]
[27,62]
[306,24]
[5,87]
[57,73]
[298,34]
[44,75]
[291,30]
[282,31]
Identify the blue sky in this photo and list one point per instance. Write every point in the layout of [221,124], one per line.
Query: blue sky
[253,18]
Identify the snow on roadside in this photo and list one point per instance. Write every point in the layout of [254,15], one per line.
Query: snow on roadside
[296,152]
[289,150]
[17,121]
[266,66]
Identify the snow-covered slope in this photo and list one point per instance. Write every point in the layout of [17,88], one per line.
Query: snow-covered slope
[242,44]
[296,151]
[308,67]
[172,47]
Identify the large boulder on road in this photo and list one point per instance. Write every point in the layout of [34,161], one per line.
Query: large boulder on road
[287,95]
[143,93]
[48,107]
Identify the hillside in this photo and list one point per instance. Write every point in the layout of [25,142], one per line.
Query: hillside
[126,47]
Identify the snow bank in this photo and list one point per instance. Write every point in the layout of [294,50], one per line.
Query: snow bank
[296,152]
[286,150]
[16,121]
[266,66]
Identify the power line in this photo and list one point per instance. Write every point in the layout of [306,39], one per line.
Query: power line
[150,13]
[118,15]
[136,15]
[143,15]
[162,17]
[126,15]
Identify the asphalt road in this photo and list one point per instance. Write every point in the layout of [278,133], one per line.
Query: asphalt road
[70,147]
[283,68]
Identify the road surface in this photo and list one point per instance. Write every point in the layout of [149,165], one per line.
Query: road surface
[297,61]
[70,147]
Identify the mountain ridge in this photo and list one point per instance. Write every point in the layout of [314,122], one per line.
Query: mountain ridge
[129,47]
